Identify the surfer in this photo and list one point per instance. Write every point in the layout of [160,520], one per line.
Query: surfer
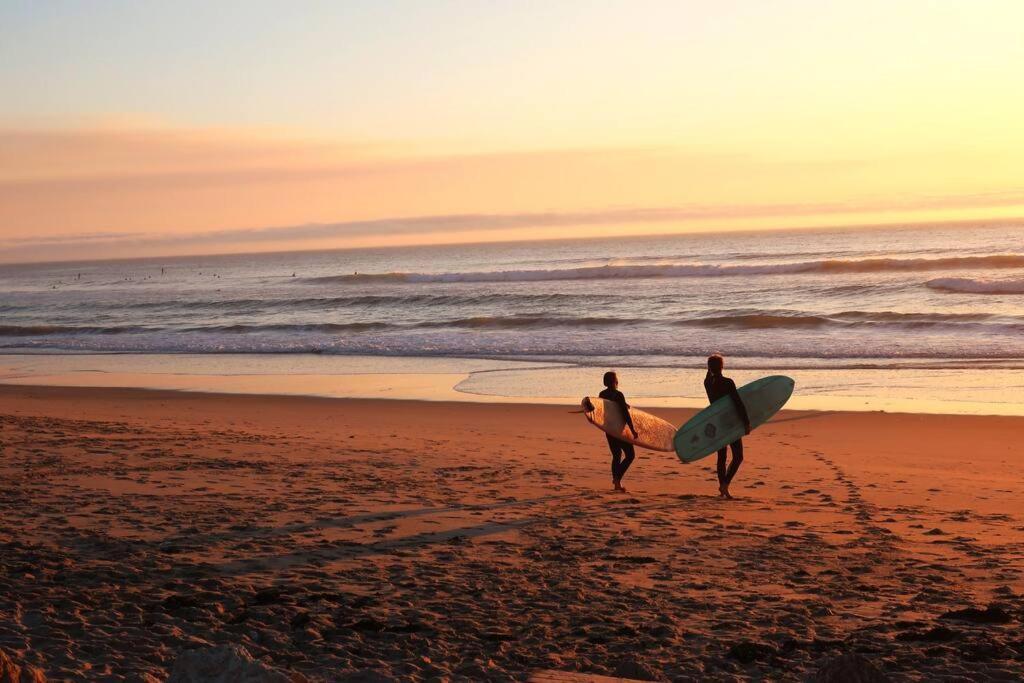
[716,385]
[618,447]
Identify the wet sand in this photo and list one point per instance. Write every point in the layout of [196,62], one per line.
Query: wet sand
[352,538]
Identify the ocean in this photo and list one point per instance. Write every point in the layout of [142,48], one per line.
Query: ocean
[930,309]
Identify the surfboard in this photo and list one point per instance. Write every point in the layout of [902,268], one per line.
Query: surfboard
[719,424]
[652,432]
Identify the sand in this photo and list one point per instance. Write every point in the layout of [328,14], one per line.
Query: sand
[337,538]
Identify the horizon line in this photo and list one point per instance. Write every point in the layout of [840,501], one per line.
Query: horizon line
[900,225]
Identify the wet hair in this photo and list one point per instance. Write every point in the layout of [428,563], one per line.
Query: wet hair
[609,378]
[715,364]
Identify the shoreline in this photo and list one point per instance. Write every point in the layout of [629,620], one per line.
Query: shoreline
[571,406]
[941,391]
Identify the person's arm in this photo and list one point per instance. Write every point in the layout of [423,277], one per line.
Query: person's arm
[740,408]
[621,400]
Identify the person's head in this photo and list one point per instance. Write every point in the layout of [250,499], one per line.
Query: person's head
[611,380]
[716,364]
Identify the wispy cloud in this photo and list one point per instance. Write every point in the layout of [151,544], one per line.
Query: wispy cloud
[100,154]
[100,244]
[73,240]
[109,193]
[418,225]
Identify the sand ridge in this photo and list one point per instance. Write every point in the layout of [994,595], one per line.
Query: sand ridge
[436,540]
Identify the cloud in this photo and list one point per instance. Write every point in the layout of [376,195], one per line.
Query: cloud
[108,193]
[296,235]
[72,240]
[104,154]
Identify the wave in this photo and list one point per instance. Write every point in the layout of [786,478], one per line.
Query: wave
[738,320]
[756,321]
[850,319]
[478,322]
[524,321]
[679,270]
[292,328]
[359,301]
[48,330]
[965,285]
[650,347]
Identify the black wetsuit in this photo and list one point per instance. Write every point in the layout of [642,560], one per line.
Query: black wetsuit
[617,446]
[716,387]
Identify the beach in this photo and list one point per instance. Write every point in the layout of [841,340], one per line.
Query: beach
[326,334]
[364,539]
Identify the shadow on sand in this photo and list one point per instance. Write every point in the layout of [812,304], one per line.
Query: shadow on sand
[347,550]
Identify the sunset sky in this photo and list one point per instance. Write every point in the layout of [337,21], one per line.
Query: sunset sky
[162,128]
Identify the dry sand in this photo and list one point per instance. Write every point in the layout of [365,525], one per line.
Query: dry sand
[339,537]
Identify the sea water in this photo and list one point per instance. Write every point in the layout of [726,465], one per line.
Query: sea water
[910,312]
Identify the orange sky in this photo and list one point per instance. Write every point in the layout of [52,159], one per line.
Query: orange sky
[506,124]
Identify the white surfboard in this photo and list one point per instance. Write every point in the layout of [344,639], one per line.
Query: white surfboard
[651,432]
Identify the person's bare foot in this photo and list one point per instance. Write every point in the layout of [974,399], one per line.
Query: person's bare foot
[725,492]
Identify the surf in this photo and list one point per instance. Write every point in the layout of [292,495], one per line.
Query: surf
[685,270]
[963,285]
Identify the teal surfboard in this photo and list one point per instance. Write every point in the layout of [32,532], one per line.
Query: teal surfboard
[719,424]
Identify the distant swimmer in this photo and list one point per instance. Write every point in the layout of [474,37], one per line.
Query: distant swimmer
[717,385]
[616,446]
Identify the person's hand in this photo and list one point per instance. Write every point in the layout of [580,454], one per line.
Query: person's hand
[747,428]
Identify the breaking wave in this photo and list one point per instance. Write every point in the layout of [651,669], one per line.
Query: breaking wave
[47,330]
[679,270]
[966,285]
[739,319]
[848,319]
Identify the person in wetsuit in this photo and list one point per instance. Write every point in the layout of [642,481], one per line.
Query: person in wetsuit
[617,446]
[716,385]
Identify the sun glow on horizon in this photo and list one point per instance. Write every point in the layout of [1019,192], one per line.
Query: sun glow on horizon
[735,116]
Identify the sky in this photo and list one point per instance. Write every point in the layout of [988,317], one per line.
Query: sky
[132,129]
